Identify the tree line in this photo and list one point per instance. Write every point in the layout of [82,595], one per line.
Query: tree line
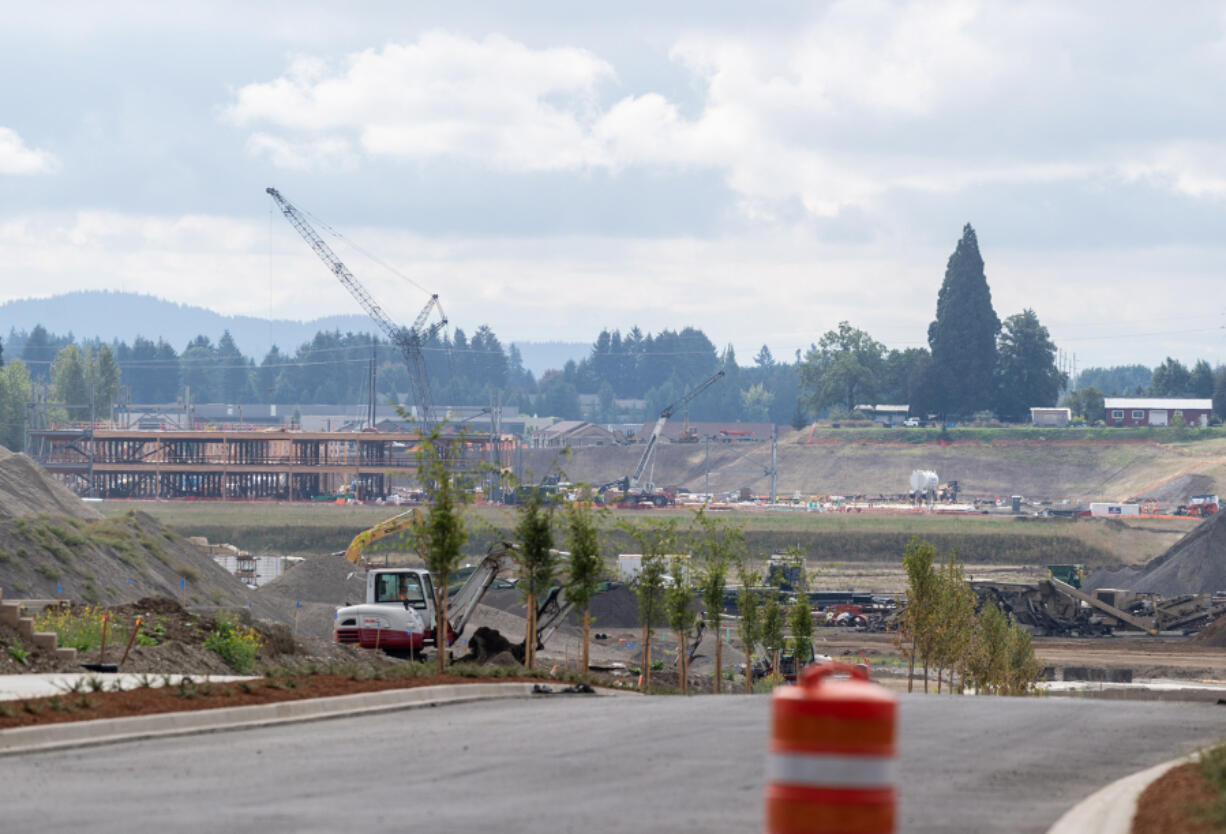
[974,366]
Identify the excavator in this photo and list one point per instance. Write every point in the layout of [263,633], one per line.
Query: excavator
[399,615]
[642,492]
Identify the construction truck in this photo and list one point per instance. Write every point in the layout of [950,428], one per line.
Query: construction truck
[1198,506]
[399,614]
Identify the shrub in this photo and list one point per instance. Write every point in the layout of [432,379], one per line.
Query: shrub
[81,628]
[234,643]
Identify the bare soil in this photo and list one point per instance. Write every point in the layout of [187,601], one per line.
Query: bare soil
[1175,802]
[1048,469]
[202,694]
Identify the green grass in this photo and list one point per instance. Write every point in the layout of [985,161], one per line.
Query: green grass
[1212,766]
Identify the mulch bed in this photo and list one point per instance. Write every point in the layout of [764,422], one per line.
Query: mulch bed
[200,694]
[1176,802]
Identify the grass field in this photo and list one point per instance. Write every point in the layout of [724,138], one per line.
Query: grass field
[824,537]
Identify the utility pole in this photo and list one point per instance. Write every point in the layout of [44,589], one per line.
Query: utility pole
[370,413]
[91,438]
[707,465]
[774,462]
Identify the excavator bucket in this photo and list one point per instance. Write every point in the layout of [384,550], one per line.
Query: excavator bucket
[550,614]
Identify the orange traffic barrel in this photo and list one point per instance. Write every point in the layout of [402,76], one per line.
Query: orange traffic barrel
[830,767]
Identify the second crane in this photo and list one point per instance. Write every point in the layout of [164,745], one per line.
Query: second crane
[409,339]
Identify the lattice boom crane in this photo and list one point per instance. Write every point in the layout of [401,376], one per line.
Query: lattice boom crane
[408,339]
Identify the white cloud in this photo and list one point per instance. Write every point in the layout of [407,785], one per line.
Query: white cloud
[16,158]
[1197,169]
[491,100]
[867,98]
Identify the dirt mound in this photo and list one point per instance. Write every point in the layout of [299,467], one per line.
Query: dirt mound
[1196,564]
[308,594]
[26,489]
[331,579]
[1213,634]
[115,561]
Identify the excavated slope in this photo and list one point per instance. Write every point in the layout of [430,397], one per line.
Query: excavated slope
[26,489]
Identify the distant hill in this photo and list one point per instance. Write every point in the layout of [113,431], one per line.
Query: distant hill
[545,356]
[124,316]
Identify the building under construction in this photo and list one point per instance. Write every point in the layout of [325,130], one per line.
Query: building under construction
[284,465]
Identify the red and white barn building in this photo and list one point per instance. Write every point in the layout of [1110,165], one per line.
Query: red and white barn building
[1156,411]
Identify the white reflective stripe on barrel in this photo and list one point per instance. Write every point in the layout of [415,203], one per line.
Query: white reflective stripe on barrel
[820,771]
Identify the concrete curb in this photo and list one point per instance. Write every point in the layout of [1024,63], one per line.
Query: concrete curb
[1111,809]
[111,730]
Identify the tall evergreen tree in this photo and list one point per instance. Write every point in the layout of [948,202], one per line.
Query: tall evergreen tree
[963,336]
[1171,379]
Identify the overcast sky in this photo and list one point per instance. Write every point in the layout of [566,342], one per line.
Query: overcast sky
[761,171]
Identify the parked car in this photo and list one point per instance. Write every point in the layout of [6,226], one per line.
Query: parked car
[912,422]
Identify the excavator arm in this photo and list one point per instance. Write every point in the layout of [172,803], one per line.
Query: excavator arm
[382,530]
[464,601]
[635,480]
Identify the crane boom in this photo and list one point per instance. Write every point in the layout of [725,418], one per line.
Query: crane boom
[635,483]
[408,339]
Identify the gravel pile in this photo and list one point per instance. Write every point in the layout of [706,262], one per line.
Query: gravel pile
[27,489]
[330,578]
[1196,564]
[617,607]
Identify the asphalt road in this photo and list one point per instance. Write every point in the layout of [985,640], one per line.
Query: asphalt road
[663,764]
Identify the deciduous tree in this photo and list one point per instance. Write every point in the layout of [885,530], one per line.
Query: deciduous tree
[440,540]
[846,367]
[679,604]
[656,539]
[585,568]
[1026,373]
[1086,403]
[917,631]
[537,562]
[749,610]
[716,544]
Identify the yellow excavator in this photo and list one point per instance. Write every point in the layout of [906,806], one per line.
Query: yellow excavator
[385,528]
